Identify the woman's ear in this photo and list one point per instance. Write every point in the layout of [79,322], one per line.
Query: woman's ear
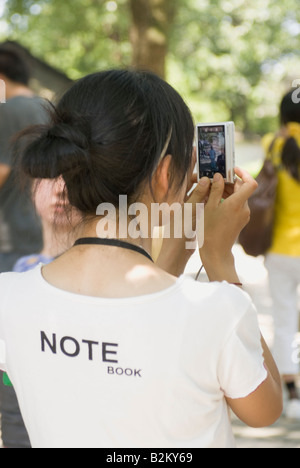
[161,179]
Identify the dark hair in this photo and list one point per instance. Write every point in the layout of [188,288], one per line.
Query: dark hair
[289,109]
[107,135]
[13,66]
[290,112]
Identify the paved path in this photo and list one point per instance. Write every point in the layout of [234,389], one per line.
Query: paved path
[285,433]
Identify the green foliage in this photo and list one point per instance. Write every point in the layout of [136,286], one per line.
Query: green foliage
[241,55]
[78,37]
[231,59]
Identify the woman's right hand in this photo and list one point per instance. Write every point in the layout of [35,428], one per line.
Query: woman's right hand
[224,220]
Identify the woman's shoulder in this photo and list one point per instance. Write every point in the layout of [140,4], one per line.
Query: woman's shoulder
[217,297]
[7,285]
[203,289]
[14,286]
[220,309]
[12,279]
[7,278]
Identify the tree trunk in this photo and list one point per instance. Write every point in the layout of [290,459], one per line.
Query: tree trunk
[151,21]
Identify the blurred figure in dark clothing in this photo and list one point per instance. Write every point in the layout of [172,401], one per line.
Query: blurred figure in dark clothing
[20,228]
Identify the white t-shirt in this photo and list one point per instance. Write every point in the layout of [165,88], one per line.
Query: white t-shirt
[149,371]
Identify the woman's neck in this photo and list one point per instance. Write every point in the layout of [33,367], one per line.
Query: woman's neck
[56,240]
[92,230]
[104,271]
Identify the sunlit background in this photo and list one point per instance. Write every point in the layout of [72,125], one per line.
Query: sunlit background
[231,59]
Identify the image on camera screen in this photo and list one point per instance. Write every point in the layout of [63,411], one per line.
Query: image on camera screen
[211,148]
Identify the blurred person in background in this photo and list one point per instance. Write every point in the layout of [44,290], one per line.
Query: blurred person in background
[20,228]
[59,220]
[283,259]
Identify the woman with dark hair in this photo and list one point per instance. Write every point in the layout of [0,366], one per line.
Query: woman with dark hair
[111,349]
[283,259]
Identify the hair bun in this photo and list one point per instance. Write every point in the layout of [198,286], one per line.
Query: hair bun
[58,149]
[75,130]
[107,136]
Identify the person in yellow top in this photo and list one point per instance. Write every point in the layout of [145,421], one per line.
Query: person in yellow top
[283,258]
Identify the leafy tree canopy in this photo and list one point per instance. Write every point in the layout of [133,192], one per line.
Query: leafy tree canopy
[231,59]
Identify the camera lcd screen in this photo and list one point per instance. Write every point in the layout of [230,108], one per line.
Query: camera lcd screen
[211,150]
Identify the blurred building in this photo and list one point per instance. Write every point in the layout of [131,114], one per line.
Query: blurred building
[46,81]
